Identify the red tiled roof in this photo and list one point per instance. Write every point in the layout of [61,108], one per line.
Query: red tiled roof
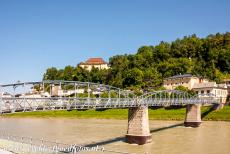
[95,61]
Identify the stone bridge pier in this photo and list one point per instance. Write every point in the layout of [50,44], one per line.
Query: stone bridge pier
[138,123]
[193,115]
[138,126]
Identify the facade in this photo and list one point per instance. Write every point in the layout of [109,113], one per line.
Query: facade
[217,91]
[58,91]
[5,95]
[94,62]
[227,82]
[186,80]
[201,86]
[30,95]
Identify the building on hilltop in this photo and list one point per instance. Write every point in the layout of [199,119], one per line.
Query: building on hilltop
[186,80]
[94,62]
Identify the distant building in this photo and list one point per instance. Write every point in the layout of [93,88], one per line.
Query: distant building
[217,91]
[201,86]
[30,95]
[94,62]
[58,91]
[5,95]
[186,80]
[227,82]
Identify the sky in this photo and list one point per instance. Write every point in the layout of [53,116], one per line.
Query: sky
[38,34]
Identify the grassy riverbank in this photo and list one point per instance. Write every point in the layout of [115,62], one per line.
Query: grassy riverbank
[154,114]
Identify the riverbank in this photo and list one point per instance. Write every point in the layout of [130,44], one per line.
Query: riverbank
[154,114]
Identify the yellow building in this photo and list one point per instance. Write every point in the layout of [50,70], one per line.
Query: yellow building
[94,62]
[186,80]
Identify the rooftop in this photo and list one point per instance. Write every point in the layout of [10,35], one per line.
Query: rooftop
[226,80]
[209,85]
[205,85]
[94,61]
[180,76]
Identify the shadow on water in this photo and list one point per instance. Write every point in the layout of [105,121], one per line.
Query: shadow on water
[165,128]
[100,143]
[123,139]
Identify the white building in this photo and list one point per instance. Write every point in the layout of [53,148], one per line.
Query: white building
[227,82]
[202,86]
[217,91]
[58,91]
[94,62]
[5,95]
[30,95]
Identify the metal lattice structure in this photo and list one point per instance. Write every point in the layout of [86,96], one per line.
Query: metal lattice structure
[85,95]
[176,97]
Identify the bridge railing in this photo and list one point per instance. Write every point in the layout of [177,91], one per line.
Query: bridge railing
[175,97]
[156,98]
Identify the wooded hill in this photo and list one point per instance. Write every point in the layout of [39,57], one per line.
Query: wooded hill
[207,57]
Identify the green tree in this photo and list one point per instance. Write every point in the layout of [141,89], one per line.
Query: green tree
[51,74]
[68,73]
[185,89]
[133,77]
[152,78]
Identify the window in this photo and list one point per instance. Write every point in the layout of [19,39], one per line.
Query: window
[202,91]
[196,92]
[208,91]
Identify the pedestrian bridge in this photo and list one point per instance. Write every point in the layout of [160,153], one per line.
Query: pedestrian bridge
[70,95]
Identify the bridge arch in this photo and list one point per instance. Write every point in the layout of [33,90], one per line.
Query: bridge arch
[175,97]
[95,95]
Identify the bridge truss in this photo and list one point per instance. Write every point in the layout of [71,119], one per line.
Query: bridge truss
[86,95]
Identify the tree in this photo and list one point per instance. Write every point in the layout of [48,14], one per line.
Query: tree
[185,89]
[133,77]
[207,57]
[223,62]
[162,52]
[51,74]
[68,73]
[152,78]
[144,56]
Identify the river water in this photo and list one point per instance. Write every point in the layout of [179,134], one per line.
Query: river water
[169,137]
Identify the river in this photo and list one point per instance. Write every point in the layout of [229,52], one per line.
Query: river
[169,137]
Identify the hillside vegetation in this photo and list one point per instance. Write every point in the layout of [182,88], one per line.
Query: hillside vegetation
[207,57]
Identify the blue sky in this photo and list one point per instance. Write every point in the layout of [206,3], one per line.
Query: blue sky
[37,34]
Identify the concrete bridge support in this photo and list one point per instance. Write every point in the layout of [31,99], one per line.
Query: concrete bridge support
[193,115]
[138,126]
